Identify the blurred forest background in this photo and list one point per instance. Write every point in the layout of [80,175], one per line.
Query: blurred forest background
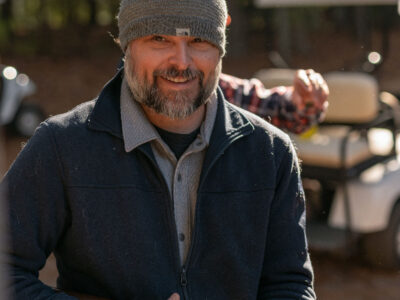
[67,47]
[64,28]
[43,37]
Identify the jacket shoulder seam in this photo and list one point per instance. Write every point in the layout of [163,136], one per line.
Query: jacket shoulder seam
[56,152]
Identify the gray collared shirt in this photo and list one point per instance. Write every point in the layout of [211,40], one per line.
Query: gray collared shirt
[182,176]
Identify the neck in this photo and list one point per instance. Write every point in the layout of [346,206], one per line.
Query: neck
[182,126]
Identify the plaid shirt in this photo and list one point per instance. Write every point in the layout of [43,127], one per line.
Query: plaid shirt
[274,104]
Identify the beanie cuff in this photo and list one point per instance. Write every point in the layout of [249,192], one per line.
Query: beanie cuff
[205,19]
[175,26]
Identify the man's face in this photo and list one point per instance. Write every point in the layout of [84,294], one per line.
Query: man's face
[172,75]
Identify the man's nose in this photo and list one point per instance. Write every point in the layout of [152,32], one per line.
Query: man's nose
[181,56]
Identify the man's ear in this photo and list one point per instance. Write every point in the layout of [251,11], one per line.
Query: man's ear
[228,20]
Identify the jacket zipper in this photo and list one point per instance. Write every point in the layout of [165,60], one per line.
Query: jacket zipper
[184,284]
[183,269]
[184,281]
[183,278]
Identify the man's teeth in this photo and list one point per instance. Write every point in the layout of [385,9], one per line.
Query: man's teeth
[177,79]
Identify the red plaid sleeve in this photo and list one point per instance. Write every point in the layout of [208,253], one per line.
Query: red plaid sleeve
[274,104]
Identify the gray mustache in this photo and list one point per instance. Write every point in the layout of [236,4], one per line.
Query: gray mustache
[188,74]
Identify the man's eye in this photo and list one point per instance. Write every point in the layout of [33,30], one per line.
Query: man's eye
[158,38]
[198,40]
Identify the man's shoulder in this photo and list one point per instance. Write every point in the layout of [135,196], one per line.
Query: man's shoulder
[261,125]
[76,117]
[265,140]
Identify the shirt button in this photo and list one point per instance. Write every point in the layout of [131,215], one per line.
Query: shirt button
[179,177]
[181,237]
[199,144]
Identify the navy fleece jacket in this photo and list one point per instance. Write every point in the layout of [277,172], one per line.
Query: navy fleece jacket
[108,218]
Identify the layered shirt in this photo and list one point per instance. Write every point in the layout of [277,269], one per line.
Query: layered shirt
[181,175]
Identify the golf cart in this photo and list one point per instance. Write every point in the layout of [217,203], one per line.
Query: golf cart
[15,113]
[350,166]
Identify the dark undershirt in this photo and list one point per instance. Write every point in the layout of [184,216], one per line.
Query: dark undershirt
[176,141]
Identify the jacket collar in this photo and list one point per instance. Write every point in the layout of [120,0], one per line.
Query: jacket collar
[138,130]
[106,114]
[230,123]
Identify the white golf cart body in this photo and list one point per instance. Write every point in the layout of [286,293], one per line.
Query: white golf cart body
[372,199]
[355,147]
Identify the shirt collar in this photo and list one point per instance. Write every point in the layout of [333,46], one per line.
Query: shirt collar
[138,130]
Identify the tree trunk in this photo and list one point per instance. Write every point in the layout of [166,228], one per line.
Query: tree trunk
[6,10]
[282,27]
[362,27]
[237,31]
[6,17]
[92,12]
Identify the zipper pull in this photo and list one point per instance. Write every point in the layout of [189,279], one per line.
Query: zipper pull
[183,277]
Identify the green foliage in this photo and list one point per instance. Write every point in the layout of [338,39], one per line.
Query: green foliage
[3,33]
[32,20]
[21,19]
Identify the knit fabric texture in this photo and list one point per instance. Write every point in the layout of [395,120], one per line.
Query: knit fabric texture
[205,19]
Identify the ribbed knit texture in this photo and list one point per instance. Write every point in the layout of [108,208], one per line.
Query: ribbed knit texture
[200,18]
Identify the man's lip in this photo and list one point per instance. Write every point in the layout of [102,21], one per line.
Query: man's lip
[177,80]
[177,84]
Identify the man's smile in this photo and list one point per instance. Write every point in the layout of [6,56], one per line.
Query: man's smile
[176,79]
[177,82]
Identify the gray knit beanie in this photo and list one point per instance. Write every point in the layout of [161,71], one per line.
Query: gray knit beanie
[205,19]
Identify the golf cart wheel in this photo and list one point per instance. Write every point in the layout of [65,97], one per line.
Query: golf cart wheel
[382,249]
[27,119]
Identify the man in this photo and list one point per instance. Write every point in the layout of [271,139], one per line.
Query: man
[160,188]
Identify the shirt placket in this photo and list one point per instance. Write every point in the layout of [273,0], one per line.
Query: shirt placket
[182,207]
[185,180]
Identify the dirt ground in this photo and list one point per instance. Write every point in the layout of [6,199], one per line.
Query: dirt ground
[65,82]
[335,278]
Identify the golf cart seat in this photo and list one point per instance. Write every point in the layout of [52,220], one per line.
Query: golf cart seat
[357,134]
[358,130]
[323,148]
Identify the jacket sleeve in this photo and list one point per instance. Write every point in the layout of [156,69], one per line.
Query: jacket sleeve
[37,215]
[274,105]
[287,272]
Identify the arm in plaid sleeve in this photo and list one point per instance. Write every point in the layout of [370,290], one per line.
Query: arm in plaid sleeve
[274,104]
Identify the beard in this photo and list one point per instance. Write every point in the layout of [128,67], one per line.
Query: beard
[173,104]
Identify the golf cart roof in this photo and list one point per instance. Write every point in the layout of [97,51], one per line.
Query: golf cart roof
[293,3]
